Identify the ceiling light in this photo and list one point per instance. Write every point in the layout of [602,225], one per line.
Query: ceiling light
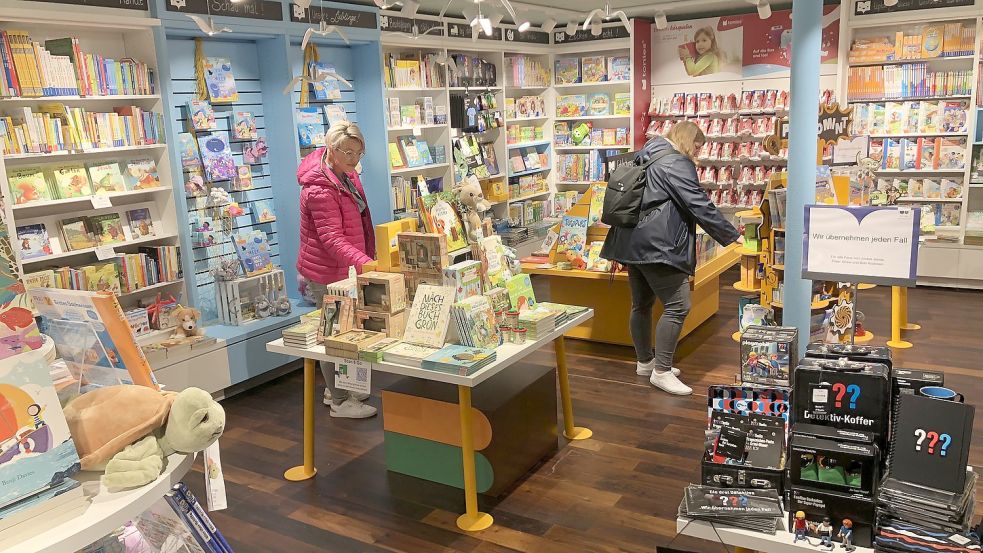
[572,28]
[661,21]
[764,10]
[595,28]
[548,25]
[486,25]
[890,2]
[524,26]
[409,8]
[495,19]
[470,17]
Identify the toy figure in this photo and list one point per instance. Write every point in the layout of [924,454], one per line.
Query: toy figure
[580,133]
[846,535]
[801,527]
[825,531]
[775,368]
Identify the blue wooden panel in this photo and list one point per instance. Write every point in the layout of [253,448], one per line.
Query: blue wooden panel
[249,357]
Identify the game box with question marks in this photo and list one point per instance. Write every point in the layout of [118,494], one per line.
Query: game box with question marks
[833,465]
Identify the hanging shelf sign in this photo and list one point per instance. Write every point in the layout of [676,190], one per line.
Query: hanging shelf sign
[459,30]
[267,10]
[530,37]
[142,5]
[395,24]
[607,33]
[333,16]
[871,7]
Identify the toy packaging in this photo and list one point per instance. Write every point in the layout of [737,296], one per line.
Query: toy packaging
[839,507]
[765,354]
[869,354]
[843,394]
[830,464]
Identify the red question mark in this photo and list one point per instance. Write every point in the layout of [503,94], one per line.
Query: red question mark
[934,436]
[840,390]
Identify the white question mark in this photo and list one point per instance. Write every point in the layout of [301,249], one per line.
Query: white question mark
[920,434]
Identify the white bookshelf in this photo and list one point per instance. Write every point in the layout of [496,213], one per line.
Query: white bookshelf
[114,37]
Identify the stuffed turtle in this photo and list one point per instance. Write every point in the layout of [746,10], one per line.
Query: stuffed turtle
[129,430]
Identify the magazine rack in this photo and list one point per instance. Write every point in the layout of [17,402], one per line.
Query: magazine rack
[237,299]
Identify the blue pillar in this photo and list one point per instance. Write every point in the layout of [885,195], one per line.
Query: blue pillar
[803,116]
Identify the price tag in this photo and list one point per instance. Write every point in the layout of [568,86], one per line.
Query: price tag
[105,252]
[353,375]
[417,131]
[214,479]
[99,201]
[819,398]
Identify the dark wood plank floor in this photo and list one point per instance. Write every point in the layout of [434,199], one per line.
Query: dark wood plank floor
[616,492]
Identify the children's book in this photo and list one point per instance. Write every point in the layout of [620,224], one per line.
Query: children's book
[263,212]
[622,103]
[465,278]
[40,279]
[201,115]
[410,151]
[328,89]
[619,68]
[877,124]
[108,228]
[593,69]
[29,185]
[141,223]
[216,157]
[33,241]
[949,215]
[572,105]
[931,189]
[335,114]
[243,125]
[441,217]
[194,183]
[896,114]
[141,174]
[206,233]
[161,526]
[423,149]
[244,178]
[521,294]
[254,252]
[910,155]
[219,81]
[596,204]
[103,277]
[71,181]
[490,158]
[599,103]
[188,148]
[310,129]
[573,234]
[78,233]
[929,117]
[594,260]
[567,70]
[429,316]
[914,121]
[928,153]
[952,153]
[951,189]
[396,160]
[476,317]
[459,360]
[892,155]
[954,116]
[106,178]
[36,447]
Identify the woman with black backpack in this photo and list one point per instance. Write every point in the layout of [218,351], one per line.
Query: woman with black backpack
[660,250]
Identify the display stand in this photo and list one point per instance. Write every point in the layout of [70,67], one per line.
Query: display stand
[780,542]
[506,356]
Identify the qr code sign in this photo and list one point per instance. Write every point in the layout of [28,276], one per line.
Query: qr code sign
[354,376]
[361,374]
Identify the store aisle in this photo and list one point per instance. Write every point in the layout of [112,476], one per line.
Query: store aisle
[616,492]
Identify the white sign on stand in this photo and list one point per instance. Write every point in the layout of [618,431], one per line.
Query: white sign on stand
[878,245]
[353,375]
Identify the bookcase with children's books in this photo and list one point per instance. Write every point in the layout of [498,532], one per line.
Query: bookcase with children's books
[85,165]
[912,84]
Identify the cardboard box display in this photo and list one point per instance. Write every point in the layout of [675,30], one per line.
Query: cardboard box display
[829,464]
[414,280]
[767,354]
[817,504]
[347,344]
[386,242]
[390,324]
[738,476]
[337,316]
[422,252]
[867,354]
[856,395]
[381,292]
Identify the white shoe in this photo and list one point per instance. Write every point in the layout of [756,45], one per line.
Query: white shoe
[645,369]
[668,382]
[357,395]
[352,408]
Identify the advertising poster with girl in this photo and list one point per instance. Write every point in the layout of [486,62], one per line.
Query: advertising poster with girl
[698,50]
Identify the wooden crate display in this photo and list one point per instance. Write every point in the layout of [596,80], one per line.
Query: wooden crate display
[391,324]
[381,292]
[414,280]
[337,316]
[421,252]
[236,299]
[347,344]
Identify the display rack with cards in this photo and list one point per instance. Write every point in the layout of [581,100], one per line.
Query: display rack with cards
[85,170]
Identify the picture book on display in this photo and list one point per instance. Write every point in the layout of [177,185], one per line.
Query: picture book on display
[254,252]
[32,241]
[328,89]
[219,81]
[619,68]
[459,360]
[263,212]
[78,234]
[593,69]
[429,316]
[106,178]
[36,448]
[521,294]
[141,174]
[573,234]
[475,319]
[216,156]
[141,223]
[334,114]
[108,228]
[28,185]
[243,125]
[440,216]
[188,148]
[244,178]
[599,103]
[71,181]
[567,70]
[465,278]
[310,129]
[408,354]
[201,115]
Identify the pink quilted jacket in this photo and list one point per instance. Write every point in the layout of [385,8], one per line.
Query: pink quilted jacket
[333,234]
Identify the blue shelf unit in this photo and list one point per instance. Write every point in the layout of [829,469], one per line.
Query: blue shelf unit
[265,56]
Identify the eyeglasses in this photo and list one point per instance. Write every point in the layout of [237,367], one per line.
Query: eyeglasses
[350,154]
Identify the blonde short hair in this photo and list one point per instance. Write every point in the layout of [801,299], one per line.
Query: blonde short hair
[687,137]
[342,130]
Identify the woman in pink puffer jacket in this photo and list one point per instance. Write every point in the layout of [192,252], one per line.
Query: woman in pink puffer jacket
[335,233]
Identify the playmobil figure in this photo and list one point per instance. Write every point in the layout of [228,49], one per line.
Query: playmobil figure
[846,535]
[825,531]
[801,527]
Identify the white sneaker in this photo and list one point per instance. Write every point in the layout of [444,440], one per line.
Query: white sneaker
[668,382]
[645,369]
[357,395]
[352,408]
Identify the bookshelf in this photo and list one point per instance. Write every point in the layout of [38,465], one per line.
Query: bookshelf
[114,38]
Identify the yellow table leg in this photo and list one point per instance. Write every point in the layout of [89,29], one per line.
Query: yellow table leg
[896,318]
[905,325]
[307,470]
[472,520]
[569,430]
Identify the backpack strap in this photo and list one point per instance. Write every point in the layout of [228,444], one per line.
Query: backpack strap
[645,166]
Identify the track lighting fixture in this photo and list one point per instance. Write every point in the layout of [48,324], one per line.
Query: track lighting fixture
[410,8]
[661,21]
[595,28]
[606,14]
[548,25]
[524,26]
[764,8]
[572,28]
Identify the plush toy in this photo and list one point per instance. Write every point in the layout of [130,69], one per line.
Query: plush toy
[187,322]
[128,431]
[580,133]
[474,205]
[227,269]
[218,196]
[263,307]
[283,307]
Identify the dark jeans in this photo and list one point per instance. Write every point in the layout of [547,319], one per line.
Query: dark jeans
[648,282]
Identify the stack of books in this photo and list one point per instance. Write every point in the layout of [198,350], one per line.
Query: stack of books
[301,335]
[375,352]
[459,360]
[933,510]
[411,355]
[475,321]
[563,311]
[537,322]
[749,508]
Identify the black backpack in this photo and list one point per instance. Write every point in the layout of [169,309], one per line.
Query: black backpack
[623,197]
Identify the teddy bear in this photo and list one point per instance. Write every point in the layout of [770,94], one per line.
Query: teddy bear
[187,322]
[473,204]
[128,431]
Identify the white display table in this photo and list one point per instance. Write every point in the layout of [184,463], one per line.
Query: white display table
[506,355]
[103,513]
[781,542]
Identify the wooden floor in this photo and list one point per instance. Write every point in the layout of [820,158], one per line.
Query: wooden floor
[616,492]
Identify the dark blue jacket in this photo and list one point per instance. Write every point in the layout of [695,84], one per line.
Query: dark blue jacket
[672,205]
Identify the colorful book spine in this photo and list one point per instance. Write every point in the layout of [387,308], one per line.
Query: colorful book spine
[199,511]
[198,530]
